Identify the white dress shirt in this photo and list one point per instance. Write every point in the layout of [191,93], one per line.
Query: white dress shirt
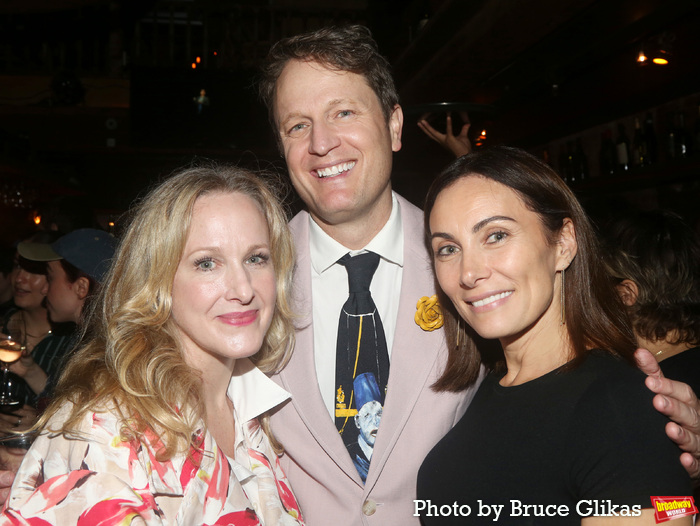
[329,291]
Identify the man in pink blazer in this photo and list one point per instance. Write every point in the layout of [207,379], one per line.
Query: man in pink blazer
[335,109]
[323,476]
[338,139]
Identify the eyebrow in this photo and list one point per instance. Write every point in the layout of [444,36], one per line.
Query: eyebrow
[481,224]
[213,248]
[297,115]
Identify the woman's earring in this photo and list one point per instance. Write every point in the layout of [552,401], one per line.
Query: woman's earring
[459,330]
[563,297]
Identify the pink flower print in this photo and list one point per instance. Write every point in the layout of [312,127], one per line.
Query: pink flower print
[191,465]
[237,518]
[219,480]
[17,520]
[116,511]
[56,489]
[287,498]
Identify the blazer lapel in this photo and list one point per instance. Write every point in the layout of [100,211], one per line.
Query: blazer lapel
[299,376]
[415,351]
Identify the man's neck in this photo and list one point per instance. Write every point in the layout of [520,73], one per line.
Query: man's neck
[662,349]
[356,234]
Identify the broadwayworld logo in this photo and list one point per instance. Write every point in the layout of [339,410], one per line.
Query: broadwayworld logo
[667,508]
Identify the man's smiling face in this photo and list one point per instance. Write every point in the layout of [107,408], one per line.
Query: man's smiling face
[336,141]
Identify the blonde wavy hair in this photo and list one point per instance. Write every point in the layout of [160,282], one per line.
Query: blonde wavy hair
[131,359]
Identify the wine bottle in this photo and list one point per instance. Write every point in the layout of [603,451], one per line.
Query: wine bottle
[683,144]
[650,136]
[622,149]
[640,148]
[580,163]
[671,148]
[607,154]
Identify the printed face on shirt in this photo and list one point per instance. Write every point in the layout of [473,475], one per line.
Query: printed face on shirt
[224,290]
[494,261]
[336,141]
[367,421]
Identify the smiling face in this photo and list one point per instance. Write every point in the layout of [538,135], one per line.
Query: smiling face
[494,261]
[28,289]
[337,143]
[223,295]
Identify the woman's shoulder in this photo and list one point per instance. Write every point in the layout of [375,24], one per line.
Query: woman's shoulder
[611,377]
[101,420]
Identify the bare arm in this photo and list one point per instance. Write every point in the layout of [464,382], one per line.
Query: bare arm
[6,480]
[459,145]
[30,371]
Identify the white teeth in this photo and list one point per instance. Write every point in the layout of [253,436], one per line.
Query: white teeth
[335,170]
[491,299]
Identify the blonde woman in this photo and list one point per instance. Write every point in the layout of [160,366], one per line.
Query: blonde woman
[160,417]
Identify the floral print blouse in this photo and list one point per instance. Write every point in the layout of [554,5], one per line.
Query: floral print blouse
[97,478]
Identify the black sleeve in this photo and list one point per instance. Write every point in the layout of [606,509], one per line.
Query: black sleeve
[623,453]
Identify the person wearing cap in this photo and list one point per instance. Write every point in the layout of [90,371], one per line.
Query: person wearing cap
[7,265]
[73,268]
[76,265]
[45,343]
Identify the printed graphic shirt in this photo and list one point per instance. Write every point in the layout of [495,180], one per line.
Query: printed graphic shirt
[100,479]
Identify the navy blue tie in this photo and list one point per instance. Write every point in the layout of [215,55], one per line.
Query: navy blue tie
[362,363]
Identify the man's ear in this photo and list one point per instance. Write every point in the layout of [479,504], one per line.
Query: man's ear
[81,287]
[568,246]
[396,128]
[628,292]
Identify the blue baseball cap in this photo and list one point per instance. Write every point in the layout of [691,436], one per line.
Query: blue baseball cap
[87,249]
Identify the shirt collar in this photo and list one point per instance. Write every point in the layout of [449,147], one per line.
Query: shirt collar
[388,243]
[252,392]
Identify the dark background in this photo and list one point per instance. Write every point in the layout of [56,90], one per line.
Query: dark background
[96,96]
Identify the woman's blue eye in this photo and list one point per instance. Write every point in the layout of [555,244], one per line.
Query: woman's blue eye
[258,259]
[205,264]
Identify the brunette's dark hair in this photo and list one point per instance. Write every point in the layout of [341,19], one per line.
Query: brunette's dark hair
[659,252]
[73,273]
[595,316]
[347,48]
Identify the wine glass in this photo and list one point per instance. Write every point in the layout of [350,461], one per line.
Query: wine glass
[11,350]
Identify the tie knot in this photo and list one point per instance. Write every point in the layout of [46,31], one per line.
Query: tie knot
[360,270]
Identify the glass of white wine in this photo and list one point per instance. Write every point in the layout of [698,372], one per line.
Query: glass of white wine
[11,350]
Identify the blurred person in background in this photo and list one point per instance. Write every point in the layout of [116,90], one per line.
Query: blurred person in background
[76,265]
[7,265]
[654,257]
[45,343]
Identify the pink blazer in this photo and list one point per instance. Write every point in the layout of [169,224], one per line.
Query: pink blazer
[414,418]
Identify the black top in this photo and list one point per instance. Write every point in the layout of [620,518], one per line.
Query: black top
[684,367]
[590,433]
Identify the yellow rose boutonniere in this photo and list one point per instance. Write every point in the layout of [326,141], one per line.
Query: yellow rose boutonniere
[428,313]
